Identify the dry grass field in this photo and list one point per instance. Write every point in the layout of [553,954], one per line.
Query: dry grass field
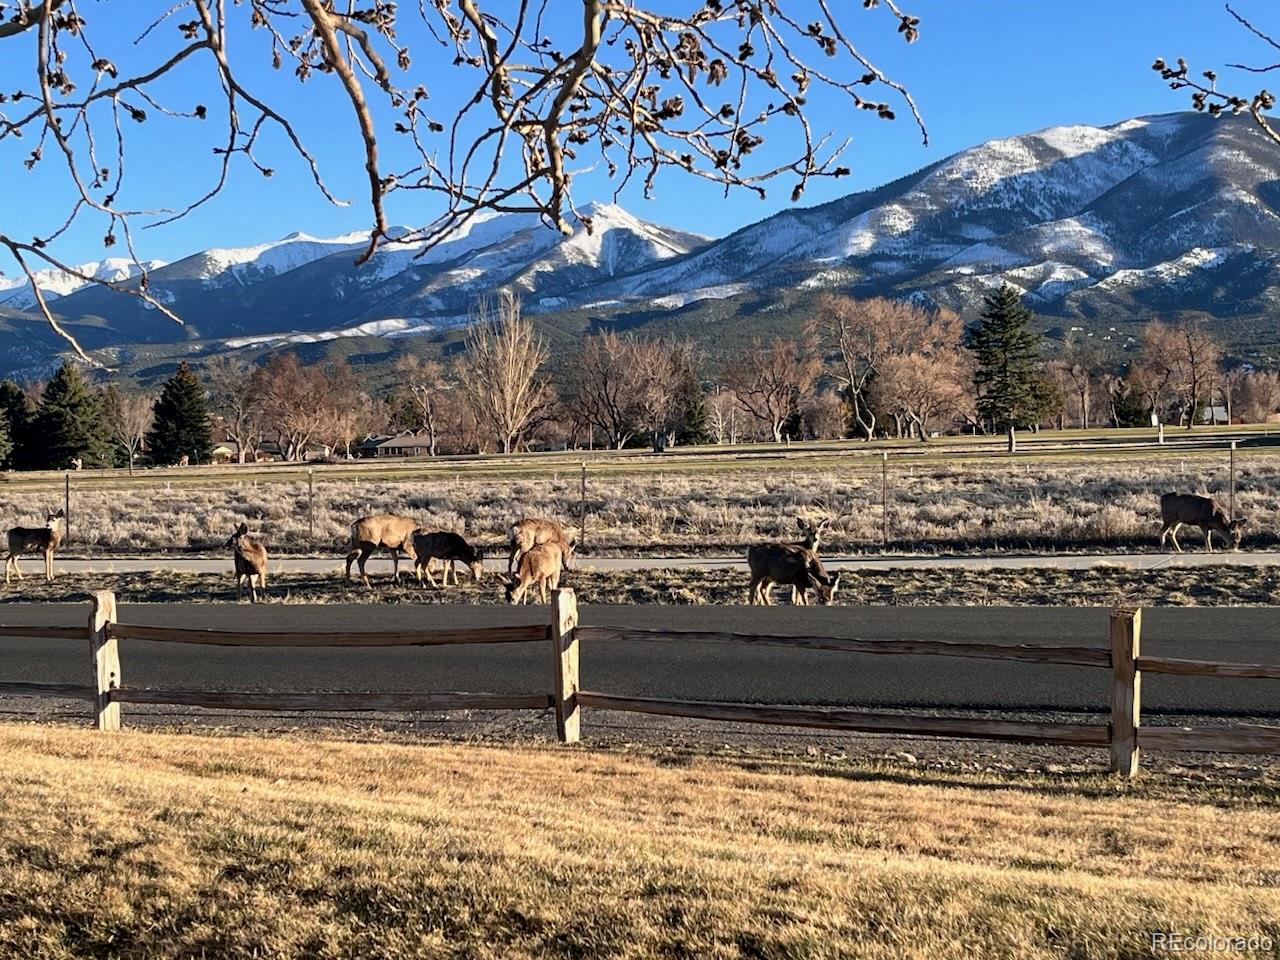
[1100,586]
[156,845]
[1099,501]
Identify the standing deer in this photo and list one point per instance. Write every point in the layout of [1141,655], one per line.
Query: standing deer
[541,564]
[787,564]
[385,530]
[1203,512]
[529,532]
[448,548]
[813,533]
[250,558]
[45,539]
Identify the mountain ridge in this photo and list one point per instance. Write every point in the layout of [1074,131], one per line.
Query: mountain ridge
[1146,216]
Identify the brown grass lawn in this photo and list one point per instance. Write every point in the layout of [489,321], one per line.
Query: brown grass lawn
[1096,502]
[145,844]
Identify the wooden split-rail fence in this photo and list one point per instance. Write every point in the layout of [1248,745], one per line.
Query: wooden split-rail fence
[1125,735]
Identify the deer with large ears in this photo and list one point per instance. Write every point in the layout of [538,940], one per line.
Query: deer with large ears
[250,557]
[44,539]
[813,532]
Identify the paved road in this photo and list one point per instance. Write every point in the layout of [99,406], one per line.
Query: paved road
[1140,561]
[695,671]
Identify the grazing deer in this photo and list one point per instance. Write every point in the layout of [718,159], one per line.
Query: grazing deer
[529,532]
[45,539]
[385,530]
[250,557]
[813,533]
[541,564]
[790,565]
[1203,512]
[448,548]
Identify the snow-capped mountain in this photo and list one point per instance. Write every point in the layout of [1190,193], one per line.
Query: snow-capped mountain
[16,292]
[1156,213]
[304,285]
[1142,218]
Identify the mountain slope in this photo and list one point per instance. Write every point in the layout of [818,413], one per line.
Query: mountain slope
[1153,202]
[1113,224]
[16,292]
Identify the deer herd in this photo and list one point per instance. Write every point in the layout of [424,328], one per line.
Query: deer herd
[540,551]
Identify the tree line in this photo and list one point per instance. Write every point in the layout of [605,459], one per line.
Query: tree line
[857,368]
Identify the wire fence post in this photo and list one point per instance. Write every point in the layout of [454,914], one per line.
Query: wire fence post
[582,507]
[884,497]
[66,506]
[311,503]
[1232,511]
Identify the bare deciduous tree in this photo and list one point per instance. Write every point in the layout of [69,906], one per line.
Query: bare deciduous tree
[722,414]
[425,381]
[770,379]
[291,401]
[500,372]
[1259,396]
[862,334]
[1081,364]
[343,407]
[640,86]
[608,384]
[662,366]
[1181,358]
[129,417]
[234,397]
[918,388]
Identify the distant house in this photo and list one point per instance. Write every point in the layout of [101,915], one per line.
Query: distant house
[317,451]
[404,444]
[1215,415]
[228,451]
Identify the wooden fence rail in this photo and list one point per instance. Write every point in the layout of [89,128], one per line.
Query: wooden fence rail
[1125,735]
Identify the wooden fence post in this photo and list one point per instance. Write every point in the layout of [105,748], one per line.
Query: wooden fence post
[564,644]
[106,659]
[1126,690]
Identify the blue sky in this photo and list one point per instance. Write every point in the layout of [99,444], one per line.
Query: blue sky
[981,69]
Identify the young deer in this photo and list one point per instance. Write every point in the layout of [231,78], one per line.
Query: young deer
[529,532]
[1196,511]
[250,557]
[813,533]
[788,564]
[448,548]
[385,530]
[26,539]
[541,564]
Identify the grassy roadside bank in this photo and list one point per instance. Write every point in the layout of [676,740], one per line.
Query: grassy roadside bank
[164,845]
[923,586]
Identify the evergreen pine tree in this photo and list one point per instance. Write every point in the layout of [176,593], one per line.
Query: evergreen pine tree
[1007,350]
[694,417]
[68,425]
[17,412]
[182,426]
[6,440]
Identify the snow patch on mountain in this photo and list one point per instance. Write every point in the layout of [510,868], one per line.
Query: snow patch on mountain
[719,292]
[1173,271]
[16,292]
